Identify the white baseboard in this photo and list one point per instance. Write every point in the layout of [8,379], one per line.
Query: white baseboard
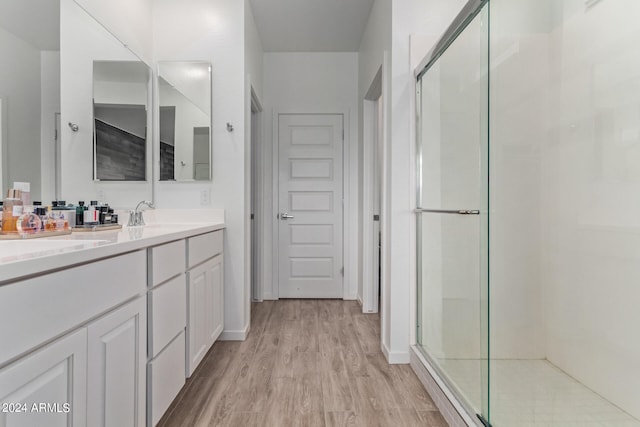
[452,410]
[360,300]
[395,357]
[234,335]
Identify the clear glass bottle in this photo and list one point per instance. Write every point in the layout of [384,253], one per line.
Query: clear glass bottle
[11,211]
[29,223]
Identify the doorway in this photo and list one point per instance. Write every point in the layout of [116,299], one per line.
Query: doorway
[371,236]
[255,209]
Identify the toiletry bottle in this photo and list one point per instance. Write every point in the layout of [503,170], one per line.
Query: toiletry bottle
[104,213]
[61,221]
[29,223]
[12,209]
[80,213]
[91,215]
[25,189]
[42,214]
[50,221]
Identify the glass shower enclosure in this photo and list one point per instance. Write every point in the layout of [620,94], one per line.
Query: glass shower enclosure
[527,216]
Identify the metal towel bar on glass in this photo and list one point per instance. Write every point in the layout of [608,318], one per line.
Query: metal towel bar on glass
[447,211]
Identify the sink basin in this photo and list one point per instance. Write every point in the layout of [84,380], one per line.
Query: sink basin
[14,250]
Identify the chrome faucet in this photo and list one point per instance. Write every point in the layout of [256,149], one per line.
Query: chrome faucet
[135,216]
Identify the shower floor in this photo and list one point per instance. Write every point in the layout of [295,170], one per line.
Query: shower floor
[535,393]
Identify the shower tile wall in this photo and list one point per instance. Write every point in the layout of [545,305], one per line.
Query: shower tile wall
[565,228]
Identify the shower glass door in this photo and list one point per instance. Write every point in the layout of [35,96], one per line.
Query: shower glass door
[452,210]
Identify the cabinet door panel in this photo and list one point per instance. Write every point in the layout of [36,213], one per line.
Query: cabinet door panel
[216,320]
[199,294]
[54,379]
[206,317]
[117,358]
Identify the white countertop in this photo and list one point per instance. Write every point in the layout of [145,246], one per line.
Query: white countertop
[20,259]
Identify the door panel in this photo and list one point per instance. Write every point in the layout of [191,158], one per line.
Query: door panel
[310,191]
[117,358]
[452,215]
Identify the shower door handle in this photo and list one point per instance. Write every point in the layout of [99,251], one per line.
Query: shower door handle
[448,211]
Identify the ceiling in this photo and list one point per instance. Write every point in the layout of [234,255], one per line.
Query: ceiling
[311,25]
[35,21]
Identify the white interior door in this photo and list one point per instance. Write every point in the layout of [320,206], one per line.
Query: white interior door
[310,205]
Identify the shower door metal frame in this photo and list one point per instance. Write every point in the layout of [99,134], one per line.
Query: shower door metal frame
[466,15]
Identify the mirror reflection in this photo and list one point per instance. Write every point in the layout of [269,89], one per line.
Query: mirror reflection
[29,94]
[184,92]
[45,83]
[120,94]
[97,67]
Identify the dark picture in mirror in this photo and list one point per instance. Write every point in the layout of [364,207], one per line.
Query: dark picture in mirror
[120,142]
[120,96]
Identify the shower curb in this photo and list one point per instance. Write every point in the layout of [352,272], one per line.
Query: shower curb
[449,407]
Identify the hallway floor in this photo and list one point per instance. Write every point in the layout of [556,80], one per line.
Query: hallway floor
[304,363]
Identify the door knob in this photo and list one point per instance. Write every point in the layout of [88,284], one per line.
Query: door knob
[285,215]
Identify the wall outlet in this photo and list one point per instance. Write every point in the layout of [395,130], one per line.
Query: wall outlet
[101,196]
[205,197]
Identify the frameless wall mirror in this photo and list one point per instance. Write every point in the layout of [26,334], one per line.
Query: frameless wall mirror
[120,101]
[184,94]
[30,93]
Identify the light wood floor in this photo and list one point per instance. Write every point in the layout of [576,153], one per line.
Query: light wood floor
[304,363]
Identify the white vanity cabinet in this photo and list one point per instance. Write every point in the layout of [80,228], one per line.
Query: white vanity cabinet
[205,293]
[106,337]
[54,375]
[74,340]
[116,367]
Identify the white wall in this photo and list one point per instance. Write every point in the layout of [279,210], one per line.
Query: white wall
[590,181]
[214,31]
[323,83]
[517,305]
[50,104]
[82,41]
[253,59]
[429,19]
[20,92]
[129,21]
[253,52]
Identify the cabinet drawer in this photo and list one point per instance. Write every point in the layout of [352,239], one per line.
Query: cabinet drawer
[60,301]
[165,262]
[165,379]
[203,247]
[167,313]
